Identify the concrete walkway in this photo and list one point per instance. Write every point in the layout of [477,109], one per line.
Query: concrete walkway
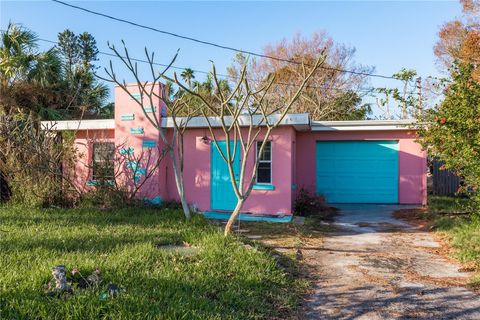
[378,267]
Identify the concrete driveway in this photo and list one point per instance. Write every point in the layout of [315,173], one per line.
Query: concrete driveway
[377,267]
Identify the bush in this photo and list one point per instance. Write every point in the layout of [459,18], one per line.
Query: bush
[307,204]
[107,197]
[171,205]
[453,129]
[32,159]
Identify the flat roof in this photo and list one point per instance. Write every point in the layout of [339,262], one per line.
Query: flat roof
[363,125]
[98,124]
[300,121]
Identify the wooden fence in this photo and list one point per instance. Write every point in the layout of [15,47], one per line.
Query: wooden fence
[444,182]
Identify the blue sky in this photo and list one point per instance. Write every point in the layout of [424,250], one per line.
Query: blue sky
[387,35]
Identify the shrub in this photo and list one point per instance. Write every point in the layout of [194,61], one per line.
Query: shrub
[32,159]
[453,128]
[171,204]
[308,204]
[107,197]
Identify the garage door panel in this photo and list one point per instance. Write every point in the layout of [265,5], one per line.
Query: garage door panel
[357,171]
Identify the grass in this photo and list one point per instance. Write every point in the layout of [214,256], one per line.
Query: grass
[289,239]
[459,224]
[288,235]
[223,280]
[448,205]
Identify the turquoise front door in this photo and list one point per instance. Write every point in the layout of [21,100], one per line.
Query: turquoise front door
[222,195]
[357,171]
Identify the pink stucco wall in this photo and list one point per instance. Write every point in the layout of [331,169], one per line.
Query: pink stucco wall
[197,173]
[124,105]
[293,159]
[412,160]
[84,140]
[122,137]
[293,163]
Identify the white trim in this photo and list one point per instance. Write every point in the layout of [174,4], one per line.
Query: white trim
[301,121]
[364,125]
[91,148]
[264,161]
[79,124]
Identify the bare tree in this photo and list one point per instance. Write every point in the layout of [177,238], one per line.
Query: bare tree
[118,168]
[246,116]
[146,89]
[330,95]
[136,169]
[403,102]
[459,39]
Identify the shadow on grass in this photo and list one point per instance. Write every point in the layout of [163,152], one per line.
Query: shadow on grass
[215,297]
[88,242]
[140,216]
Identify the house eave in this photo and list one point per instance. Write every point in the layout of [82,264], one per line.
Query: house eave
[300,121]
[364,125]
[97,124]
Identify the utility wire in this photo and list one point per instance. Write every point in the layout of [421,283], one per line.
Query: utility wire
[225,76]
[215,44]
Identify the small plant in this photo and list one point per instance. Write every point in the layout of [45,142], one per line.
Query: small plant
[171,204]
[308,204]
[107,197]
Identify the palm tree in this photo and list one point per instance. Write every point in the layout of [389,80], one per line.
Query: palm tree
[21,61]
[187,76]
[28,77]
[16,48]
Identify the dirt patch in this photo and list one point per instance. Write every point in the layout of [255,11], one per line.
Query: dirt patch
[411,275]
[414,216]
[304,233]
[417,217]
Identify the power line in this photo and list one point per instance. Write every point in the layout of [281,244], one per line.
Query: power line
[225,76]
[215,44]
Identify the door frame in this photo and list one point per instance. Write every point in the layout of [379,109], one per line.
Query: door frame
[237,160]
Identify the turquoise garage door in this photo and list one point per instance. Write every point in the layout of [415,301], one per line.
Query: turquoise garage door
[357,171]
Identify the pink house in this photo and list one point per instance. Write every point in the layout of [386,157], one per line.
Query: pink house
[368,161]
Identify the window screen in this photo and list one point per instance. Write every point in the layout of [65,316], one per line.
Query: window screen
[264,171]
[102,158]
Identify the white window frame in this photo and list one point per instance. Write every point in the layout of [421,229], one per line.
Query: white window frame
[94,162]
[265,161]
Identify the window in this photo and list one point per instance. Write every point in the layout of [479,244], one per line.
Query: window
[102,164]
[264,172]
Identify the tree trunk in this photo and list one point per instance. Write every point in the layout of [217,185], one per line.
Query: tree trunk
[5,191]
[180,187]
[233,217]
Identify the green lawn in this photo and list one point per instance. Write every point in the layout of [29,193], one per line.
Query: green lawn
[221,280]
[461,230]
